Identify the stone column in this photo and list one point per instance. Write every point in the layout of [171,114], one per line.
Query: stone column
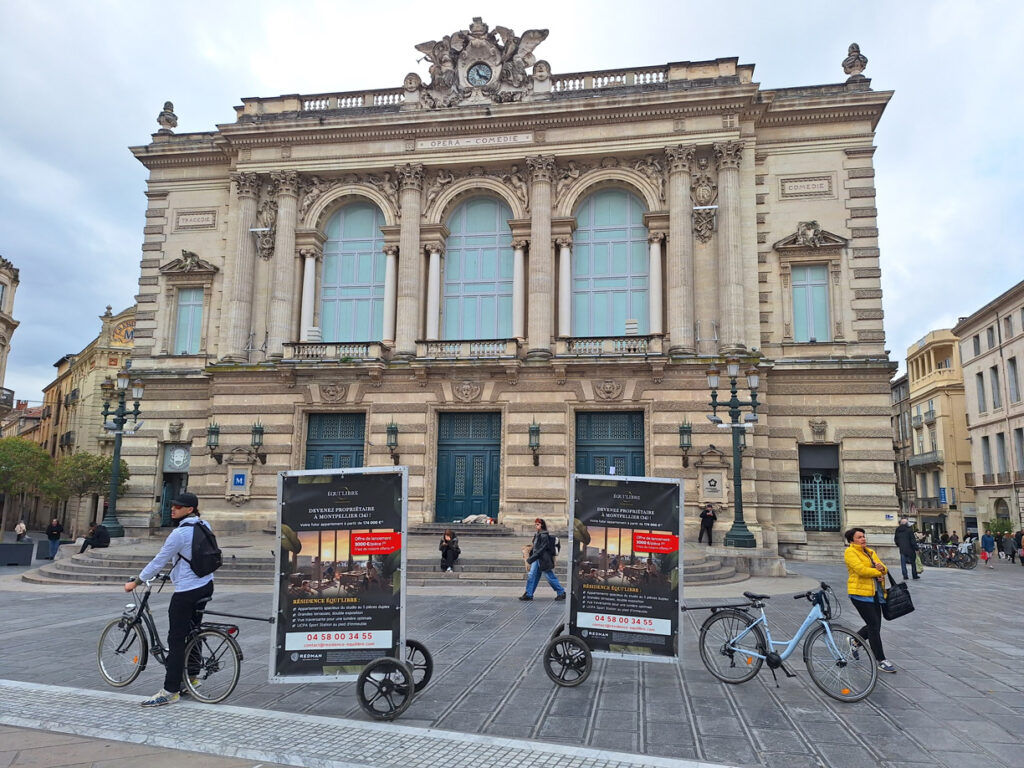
[407,319]
[730,255]
[434,290]
[542,169]
[282,288]
[239,300]
[654,289]
[310,257]
[390,292]
[519,288]
[564,286]
[679,251]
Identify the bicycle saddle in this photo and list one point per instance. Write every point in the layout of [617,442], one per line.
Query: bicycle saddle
[752,596]
[201,603]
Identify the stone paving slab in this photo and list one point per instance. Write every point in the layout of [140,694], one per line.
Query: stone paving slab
[248,734]
[958,691]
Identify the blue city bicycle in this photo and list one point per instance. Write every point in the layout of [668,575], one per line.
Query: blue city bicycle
[735,644]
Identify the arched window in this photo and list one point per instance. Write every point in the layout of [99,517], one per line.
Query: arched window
[352,286]
[478,271]
[610,265]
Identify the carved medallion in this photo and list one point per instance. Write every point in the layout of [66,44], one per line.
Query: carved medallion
[332,393]
[466,391]
[609,389]
[819,428]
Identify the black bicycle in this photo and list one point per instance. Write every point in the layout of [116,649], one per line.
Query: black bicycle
[213,660]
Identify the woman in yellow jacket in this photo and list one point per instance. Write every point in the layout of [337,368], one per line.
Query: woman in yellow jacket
[866,587]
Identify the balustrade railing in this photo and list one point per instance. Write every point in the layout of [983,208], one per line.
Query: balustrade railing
[333,351]
[599,346]
[495,349]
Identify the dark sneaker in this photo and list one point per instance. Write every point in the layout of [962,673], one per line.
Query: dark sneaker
[160,698]
[525,597]
[887,666]
[560,597]
[854,648]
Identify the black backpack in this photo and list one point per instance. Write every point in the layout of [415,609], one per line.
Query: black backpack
[206,555]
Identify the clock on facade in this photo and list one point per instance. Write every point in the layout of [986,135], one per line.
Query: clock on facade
[479,74]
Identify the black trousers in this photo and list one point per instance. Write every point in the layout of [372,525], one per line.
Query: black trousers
[448,558]
[871,613]
[183,616]
[705,529]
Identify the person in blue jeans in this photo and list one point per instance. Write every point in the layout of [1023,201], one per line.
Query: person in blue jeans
[542,560]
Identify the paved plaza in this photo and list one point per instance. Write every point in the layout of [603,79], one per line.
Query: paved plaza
[956,698]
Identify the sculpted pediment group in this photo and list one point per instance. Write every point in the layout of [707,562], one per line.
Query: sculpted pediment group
[810,235]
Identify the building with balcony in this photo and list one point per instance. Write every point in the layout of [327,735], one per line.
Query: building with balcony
[940,459]
[992,348]
[71,416]
[8,286]
[903,446]
[447,263]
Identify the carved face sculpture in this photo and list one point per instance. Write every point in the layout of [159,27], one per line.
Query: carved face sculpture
[541,71]
[412,82]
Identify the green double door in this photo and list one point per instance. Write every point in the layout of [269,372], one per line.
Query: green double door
[610,443]
[335,440]
[468,465]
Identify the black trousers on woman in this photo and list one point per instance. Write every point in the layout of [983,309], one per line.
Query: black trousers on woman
[448,558]
[871,613]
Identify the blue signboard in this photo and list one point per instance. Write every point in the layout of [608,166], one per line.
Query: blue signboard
[942,495]
[238,480]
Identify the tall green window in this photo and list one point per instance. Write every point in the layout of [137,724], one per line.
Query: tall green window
[810,303]
[352,285]
[477,290]
[189,326]
[610,277]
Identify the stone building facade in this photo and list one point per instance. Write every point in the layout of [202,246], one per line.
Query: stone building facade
[500,247]
[992,349]
[941,455]
[8,285]
[903,446]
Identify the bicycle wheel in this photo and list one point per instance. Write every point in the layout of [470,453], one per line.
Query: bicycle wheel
[968,561]
[843,666]
[567,660]
[385,688]
[122,652]
[418,657]
[213,662]
[730,658]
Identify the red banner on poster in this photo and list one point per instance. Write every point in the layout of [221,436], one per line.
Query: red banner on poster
[364,544]
[655,542]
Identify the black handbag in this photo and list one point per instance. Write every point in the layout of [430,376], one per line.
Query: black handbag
[897,600]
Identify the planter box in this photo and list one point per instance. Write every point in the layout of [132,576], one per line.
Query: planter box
[16,553]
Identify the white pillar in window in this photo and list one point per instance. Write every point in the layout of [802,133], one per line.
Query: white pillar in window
[564,286]
[390,292]
[282,287]
[434,291]
[310,256]
[519,288]
[654,290]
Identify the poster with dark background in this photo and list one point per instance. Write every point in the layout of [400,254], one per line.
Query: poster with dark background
[625,568]
[339,595]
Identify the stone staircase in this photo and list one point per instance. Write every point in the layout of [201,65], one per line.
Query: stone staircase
[819,548]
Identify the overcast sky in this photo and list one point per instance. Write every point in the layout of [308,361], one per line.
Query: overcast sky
[80,82]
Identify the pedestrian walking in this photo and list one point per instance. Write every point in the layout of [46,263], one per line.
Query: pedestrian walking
[907,545]
[542,560]
[1018,542]
[20,530]
[988,548]
[189,589]
[707,522]
[53,532]
[449,548]
[98,538]
[1009,548]
[866,587]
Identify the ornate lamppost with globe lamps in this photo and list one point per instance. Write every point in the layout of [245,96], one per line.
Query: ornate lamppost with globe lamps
[739,535]
[120,415]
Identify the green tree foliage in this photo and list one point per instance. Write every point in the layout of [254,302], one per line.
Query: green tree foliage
[82,474]
[24,468]
[999,525]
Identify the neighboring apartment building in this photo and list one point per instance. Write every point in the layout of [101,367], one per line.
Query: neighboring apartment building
[903,446]
[992,349]
[941,457]
[446,263]
[22,421]
[72,412]
[8,286]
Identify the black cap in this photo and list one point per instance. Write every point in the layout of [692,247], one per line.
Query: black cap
[186,500]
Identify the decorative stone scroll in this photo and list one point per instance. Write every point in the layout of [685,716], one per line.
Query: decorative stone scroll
[479,66]
[266,220]
[704,194]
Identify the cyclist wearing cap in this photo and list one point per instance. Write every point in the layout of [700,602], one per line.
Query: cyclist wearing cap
[189,589]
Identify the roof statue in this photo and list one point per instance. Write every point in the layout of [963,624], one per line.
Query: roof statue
[167,119]
[479,66]
[854,63]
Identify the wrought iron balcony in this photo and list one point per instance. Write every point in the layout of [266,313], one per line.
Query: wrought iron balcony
[916,421]
[929,417]
[929,502]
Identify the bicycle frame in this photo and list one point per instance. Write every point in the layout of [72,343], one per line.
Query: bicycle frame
[813,616]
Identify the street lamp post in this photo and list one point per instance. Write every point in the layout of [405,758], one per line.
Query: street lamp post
[739,535]
[120,416]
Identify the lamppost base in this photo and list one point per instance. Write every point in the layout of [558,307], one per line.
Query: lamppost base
[114,528]
[741,537]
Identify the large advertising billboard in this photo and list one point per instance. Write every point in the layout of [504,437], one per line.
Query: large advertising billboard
[625,577]
[339,598]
